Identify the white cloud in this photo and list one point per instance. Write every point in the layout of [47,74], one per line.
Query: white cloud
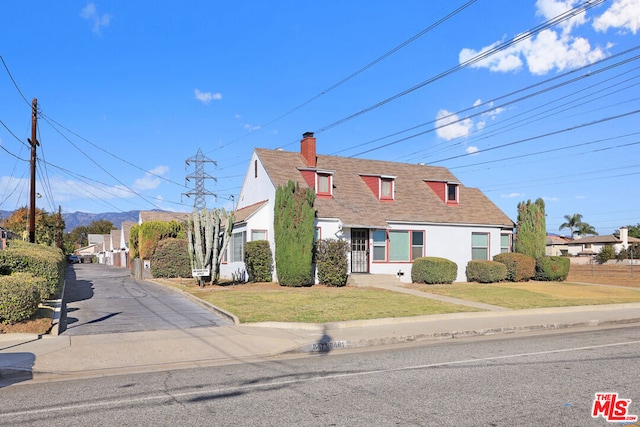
[207,97]
[624,14]
[472,149]
[548,50]
[550,199]
[512,195]
[251,127]
[90,13]
[152,179]
[449,126]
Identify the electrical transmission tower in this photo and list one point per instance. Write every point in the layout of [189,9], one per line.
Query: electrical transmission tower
[199,175]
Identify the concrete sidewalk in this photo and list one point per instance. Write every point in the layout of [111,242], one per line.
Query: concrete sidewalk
[24,357]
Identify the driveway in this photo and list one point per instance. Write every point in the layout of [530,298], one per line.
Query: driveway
[101,300]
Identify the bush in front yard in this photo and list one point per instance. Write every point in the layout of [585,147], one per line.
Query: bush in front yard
[45,262]
[606,253]
[332,261]
[520,267]
[552,268]
[486,271]
[433,270]
[258,260]
[19,297]
[171,258]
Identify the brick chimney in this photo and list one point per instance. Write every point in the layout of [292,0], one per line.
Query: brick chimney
[308,149]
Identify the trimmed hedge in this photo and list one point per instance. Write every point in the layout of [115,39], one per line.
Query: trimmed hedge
[520,267]
[45,262]
[433,270]
[332,262]
[258,260]
[19,297]
[552,268]
[171,259]
[486,271]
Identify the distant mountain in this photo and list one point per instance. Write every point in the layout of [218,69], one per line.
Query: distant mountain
[76,219]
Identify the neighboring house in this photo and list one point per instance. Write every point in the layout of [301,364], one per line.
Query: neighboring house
[390,213]
[592,245]
[125,229]
[557,245]
[102,244]
[116,249]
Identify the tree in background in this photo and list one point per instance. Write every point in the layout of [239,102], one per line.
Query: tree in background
[79,236]
[586,229]
[47,225]
[293,233]
[572,223]
[531,229]
[632,230]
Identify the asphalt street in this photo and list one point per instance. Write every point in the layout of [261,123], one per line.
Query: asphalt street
[546,379]
[100,300]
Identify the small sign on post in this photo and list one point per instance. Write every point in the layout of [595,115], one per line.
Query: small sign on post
[200,272]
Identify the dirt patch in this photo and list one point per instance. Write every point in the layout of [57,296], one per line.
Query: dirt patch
[39,323]
[606,274]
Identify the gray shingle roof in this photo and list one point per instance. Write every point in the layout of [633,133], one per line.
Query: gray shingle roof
[355,204]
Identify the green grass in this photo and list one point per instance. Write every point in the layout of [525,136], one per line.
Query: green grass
[319,304]
[534,294]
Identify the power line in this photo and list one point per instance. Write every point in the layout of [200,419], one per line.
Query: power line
[479,57]
[359,71]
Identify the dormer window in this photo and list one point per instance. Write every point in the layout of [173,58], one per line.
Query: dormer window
[452,193]
[382,186]
[324,184]
[386,188]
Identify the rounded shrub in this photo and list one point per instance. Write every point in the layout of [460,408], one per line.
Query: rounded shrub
[552,268]
[332,262]
[258,260]
[520,267]
[171,259]
[606,253]
[19,297]
[486,271]
[433,270]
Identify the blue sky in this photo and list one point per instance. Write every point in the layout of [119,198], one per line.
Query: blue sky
[513,100]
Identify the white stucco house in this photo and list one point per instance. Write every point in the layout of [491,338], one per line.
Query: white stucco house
[390,213]
[592,245]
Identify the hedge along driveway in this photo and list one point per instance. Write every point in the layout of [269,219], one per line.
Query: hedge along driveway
[535,294]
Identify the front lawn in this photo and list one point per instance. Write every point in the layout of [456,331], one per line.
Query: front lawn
[264,302]
[534,294]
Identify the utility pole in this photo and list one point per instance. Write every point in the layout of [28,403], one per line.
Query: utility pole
[199,192]
[32,195]
[59,227]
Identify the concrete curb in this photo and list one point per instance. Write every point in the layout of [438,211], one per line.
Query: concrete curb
[402,339]
[57,312]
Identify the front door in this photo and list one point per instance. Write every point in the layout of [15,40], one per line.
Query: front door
[359,250]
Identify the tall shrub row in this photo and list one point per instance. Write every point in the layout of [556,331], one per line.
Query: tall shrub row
[171,259]
[293,232]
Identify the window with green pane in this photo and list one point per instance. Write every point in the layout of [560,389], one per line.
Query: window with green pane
[417,244]
[479,246]
[505,243]
[399,245]
[379,245]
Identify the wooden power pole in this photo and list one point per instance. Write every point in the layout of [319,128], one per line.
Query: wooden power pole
[32,196]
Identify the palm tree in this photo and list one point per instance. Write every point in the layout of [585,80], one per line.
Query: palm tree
[573,222]
[584,229]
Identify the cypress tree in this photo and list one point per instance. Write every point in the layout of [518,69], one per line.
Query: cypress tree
[531,229]
[294,219]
